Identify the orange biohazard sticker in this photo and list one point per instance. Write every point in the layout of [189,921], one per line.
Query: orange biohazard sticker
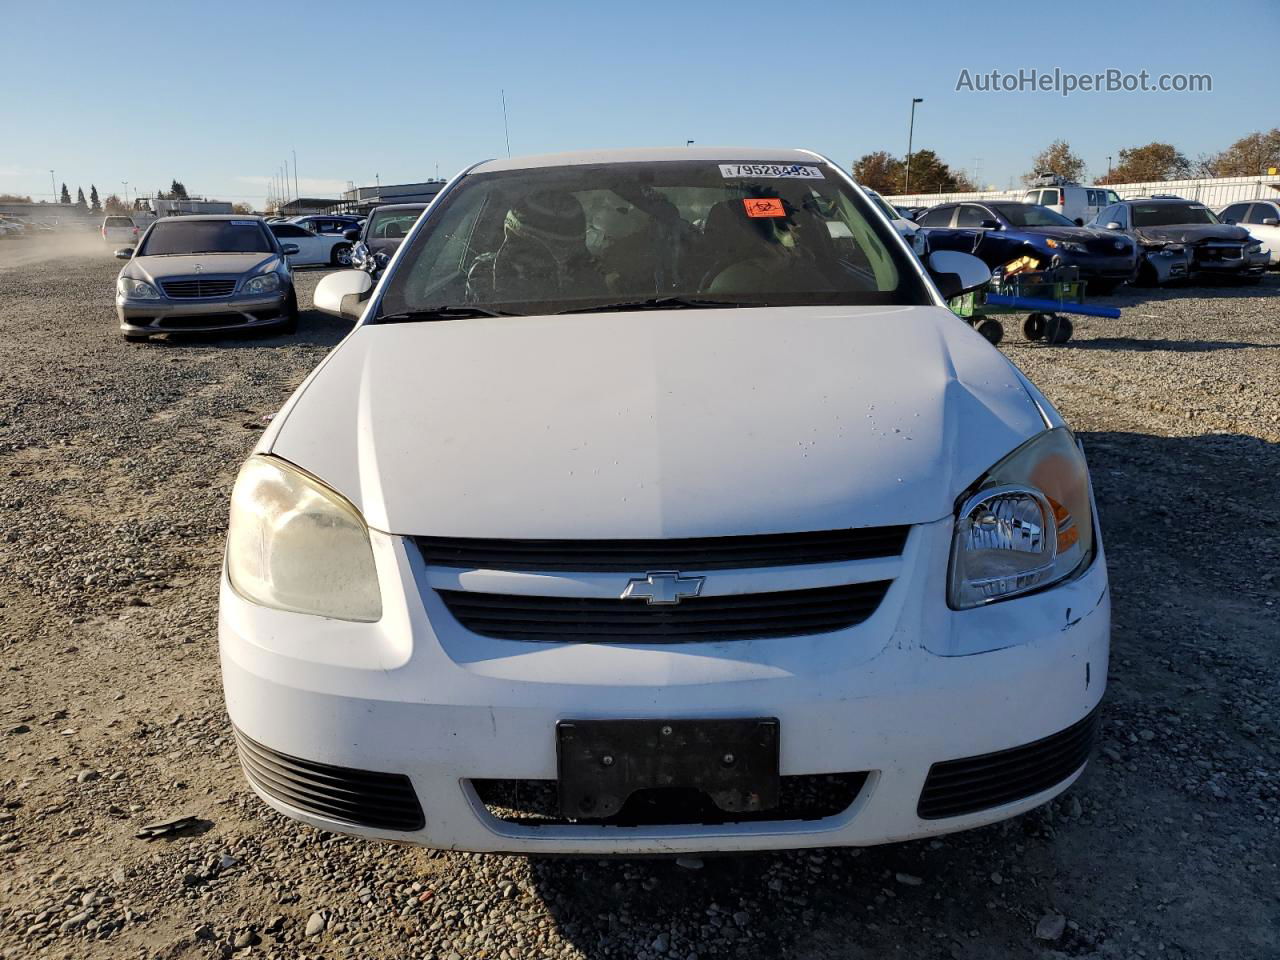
[764,207]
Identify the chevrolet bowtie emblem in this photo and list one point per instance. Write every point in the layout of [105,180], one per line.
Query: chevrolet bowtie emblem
[665,587]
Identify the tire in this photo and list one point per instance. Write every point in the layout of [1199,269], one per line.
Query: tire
[340,255]
[136,337]
[1034,326]
[1059,330]
[290,322]
[993,330]
[1147,276]
[1103,288]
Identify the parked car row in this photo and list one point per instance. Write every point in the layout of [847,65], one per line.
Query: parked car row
[1146,241]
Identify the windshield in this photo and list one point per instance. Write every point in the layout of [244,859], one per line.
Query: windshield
[393,224]
[119,222]
[887,210]
[1031,215]
[1170,214]
[624,235]
[180,235]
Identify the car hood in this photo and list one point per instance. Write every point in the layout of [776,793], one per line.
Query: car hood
[1192,233]
[658,424]
[157,268]
[1078,234]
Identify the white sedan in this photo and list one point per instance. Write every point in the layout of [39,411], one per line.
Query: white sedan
[1262,219]
[313,248]
[658,504]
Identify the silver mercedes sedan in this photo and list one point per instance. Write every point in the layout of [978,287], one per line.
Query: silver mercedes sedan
[200,273]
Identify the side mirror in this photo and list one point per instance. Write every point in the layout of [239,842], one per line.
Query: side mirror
[1112,225]
[1270,222]
[956,273]
[1079,221]
[289,249]
[124,253]
[990,224]
[343,294]
[352,235]
[1230,220]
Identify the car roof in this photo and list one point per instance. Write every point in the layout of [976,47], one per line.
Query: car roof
[400,206]
[652,155]
[212,216]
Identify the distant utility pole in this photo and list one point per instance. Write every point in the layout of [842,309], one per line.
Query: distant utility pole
[1108,166]
[296,191]
[906,187]
[53,188]
[125,184]
[506,130]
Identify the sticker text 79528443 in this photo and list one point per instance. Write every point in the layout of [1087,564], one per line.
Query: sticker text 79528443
[797,171]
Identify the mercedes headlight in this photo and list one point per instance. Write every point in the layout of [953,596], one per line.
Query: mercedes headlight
[132,289]
[1026,524]
[294,544]
[266,283]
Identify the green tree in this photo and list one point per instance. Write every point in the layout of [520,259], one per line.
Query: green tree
[80,199]
[66,195]
[930,175]
[1056,158]
[113,205]
[177,190]
[881,171]
[95,205]
[1155,161]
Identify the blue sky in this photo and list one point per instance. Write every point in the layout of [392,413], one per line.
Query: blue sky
[217,94]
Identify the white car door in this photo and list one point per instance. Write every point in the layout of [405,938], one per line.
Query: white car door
[1269,233]
[311,249]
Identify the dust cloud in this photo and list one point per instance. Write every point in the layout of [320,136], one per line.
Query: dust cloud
[24,251]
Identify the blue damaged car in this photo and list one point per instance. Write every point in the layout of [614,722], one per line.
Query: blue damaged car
[999,232]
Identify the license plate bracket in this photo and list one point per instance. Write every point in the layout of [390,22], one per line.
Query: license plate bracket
[603,762]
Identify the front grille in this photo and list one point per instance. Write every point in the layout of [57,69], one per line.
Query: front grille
[691,553]
[535,803]
[1219,252]
[192,288]
[972,784]
[782,613]
[382,801]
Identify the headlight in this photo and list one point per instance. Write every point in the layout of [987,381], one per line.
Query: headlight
[136,289]
[1255,247]
[1025,525]
[266,283]
[294,544]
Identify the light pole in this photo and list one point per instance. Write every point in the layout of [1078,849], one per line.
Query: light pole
[125,184]
[53,186]
[906,187]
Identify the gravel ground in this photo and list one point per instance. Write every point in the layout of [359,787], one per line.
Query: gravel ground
[117,460]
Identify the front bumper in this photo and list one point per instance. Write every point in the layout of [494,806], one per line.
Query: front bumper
[416,696]
[168,315]
[1248,265]
[1093,267]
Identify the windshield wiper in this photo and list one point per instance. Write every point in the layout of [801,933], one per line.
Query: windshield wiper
[443,313]
[665,303]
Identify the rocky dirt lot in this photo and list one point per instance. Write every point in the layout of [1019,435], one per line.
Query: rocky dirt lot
[116,461]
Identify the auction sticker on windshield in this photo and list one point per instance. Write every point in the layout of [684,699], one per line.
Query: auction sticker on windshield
[764,207]
[793,170]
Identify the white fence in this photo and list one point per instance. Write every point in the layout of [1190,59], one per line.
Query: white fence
[1214,193]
